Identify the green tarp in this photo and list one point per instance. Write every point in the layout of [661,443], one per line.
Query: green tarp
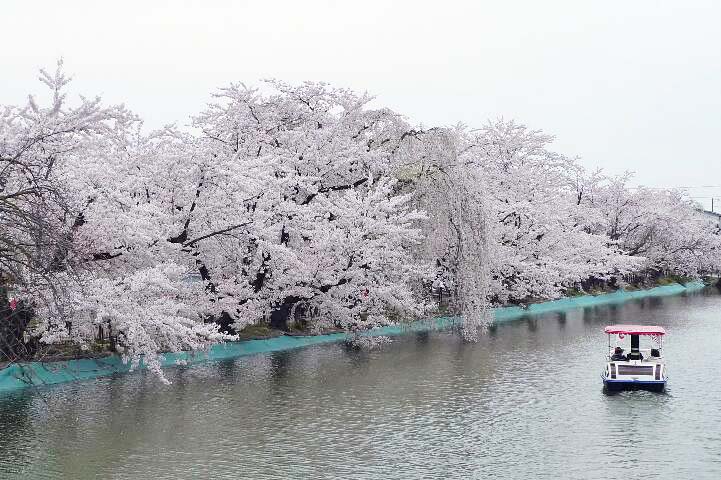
[20,375]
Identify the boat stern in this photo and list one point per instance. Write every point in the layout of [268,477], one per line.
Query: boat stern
[634,375]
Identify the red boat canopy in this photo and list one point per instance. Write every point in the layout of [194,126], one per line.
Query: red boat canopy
[636,329]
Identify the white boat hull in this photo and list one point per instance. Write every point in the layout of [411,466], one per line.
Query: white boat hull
[634,375]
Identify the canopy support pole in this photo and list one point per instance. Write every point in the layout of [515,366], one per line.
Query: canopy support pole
[635,343]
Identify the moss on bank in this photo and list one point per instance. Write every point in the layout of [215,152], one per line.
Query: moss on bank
[258,331]
[670,279]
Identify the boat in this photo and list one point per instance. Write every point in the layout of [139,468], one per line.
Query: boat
[640,368]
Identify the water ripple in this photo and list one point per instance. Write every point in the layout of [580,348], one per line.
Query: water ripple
[525,401]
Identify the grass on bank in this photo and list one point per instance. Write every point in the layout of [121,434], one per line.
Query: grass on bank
[258,331]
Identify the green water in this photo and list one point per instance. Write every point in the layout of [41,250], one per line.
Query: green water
[524,402]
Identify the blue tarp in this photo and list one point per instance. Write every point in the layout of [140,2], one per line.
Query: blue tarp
[20,375]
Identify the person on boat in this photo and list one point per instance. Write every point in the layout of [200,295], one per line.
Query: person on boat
[635,356]
[618,355]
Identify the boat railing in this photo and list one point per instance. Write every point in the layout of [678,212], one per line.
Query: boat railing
[645,353]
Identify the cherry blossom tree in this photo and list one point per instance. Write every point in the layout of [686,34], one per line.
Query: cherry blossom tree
[539,241]
[285,204]
[455,197]
[326,238]
[37,217]
[73,203]
[504,225]
[659,226]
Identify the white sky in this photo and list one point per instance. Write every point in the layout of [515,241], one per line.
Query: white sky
[626,85]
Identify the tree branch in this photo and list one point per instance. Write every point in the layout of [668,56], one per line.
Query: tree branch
[211,234]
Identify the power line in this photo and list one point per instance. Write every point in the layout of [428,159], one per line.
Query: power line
[676,188]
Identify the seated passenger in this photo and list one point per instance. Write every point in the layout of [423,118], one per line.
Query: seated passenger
[618,355]
[635,356]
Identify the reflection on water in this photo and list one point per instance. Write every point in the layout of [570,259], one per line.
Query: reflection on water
[526,401]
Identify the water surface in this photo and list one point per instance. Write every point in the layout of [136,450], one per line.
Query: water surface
[524,402]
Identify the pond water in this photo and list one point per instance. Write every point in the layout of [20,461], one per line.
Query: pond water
[526,401]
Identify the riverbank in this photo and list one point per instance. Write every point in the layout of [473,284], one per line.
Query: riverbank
[25,374]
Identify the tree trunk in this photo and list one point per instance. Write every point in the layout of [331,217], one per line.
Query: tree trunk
[280,315]
[13,324]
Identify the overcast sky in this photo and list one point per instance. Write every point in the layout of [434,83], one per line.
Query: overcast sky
[626,85]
